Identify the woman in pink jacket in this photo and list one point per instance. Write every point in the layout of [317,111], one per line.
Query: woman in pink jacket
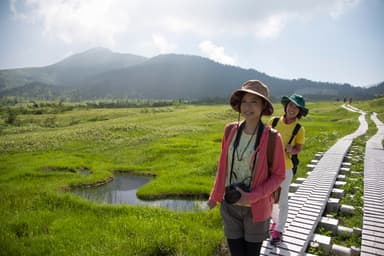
[243,184]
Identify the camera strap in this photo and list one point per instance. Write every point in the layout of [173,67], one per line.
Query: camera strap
[259,133]
[236,144]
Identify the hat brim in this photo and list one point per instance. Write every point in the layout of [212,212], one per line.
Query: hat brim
[235,101]
[285,100]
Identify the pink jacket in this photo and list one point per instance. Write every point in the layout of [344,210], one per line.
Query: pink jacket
[260,196]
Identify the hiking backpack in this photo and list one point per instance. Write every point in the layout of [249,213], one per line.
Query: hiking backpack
[294,158]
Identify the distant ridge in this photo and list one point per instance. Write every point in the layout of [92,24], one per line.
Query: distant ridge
[99,73]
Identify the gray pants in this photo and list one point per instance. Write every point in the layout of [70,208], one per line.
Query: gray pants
[238,223]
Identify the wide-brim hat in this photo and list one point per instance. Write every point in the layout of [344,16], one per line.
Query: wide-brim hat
[255,87]
[296,99]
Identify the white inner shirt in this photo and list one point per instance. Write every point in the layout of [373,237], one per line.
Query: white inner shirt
[242,167]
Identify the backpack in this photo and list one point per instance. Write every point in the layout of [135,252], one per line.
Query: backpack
[294,158]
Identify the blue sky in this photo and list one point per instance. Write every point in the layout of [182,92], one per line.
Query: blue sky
[322,40]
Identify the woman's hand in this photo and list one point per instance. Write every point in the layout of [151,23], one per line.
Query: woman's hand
[243,199]
[211,204]
[289,149]
[293,150]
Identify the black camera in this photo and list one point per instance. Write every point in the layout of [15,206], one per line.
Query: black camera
[231,195]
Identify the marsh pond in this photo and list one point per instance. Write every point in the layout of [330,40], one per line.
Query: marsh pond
[122,190]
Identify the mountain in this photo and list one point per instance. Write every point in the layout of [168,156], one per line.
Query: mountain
[171,76]
[80,67]
[72,70]
[100,73]
[377,90]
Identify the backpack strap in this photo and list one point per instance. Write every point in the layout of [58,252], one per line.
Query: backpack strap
[228,130]
[275,121]
[270,148]
[294,132]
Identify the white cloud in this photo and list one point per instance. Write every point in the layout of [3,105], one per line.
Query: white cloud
[18,11]
[124,23]
[84,22]
[341,6]
[162,44]
[271,27]
[216,53]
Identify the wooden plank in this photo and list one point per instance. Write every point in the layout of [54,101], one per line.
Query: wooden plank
[301,216]
[302,225]
[368,219]
[373,233]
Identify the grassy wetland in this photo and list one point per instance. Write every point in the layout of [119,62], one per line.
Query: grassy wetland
[44,147]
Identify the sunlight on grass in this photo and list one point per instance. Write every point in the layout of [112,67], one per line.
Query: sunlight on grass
[43,154]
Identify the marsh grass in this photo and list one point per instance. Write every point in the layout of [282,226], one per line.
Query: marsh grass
[179,144]
[376,105]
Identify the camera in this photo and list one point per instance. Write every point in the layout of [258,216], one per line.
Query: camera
[232,195]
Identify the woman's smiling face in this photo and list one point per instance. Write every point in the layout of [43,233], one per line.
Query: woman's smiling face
[292,110]
[251,106]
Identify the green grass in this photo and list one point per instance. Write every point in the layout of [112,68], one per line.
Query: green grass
[371,106]
[376,105]
[179,144]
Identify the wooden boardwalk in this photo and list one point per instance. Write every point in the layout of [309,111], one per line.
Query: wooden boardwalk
[372,242]
[307,204]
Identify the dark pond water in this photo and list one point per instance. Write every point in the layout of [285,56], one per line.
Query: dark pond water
[123,188]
